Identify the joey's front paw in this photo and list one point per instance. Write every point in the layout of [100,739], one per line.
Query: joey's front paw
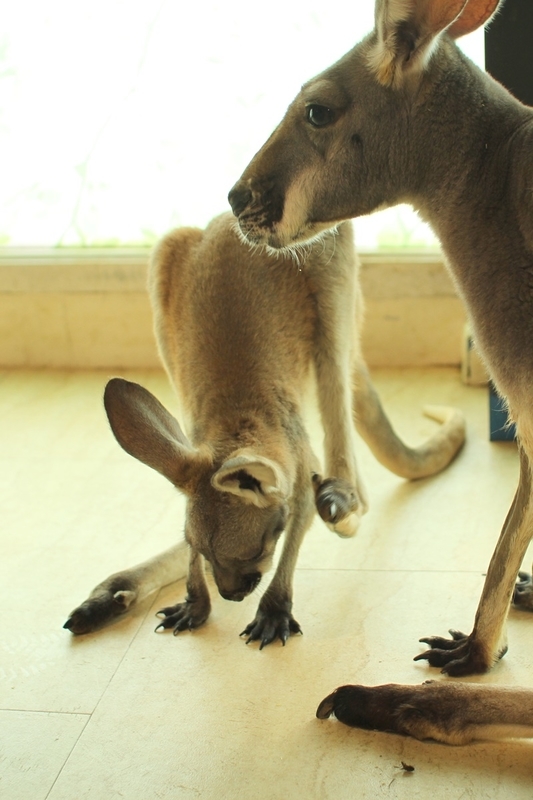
[184,616]
[103,606]
[268,625]
[460,655]
[523,592]
[338,504]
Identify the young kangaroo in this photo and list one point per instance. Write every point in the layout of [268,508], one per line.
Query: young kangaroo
[241,334]
[405,117]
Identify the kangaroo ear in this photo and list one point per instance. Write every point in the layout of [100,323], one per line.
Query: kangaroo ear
[407,31]
[475,14]
[255,479]
[148,432]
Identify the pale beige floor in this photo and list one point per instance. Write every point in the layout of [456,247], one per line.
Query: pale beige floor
[129,714]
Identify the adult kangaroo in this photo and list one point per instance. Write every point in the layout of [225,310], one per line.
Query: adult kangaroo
[405,117]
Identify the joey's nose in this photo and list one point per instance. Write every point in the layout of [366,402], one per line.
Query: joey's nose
[246,587]
[237,597]
[239,197]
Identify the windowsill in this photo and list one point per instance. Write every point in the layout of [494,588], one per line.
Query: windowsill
[73,269]
[89,308]
[408,273]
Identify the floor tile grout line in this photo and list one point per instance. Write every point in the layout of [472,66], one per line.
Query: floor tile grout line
[42,711]
[67,758]
[142,619]
[395,571]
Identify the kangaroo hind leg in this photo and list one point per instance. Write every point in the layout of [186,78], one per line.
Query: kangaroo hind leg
[120,592]
[477,652]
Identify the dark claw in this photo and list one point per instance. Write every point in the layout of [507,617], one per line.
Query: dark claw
[183,625]
[267,627]
[266,640]
[183,616]
[439,642]
[165,612]
[446,653]
[435,657]
[458,656]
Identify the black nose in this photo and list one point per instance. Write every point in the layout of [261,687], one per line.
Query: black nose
[239,197]
[235,596]
[247,585]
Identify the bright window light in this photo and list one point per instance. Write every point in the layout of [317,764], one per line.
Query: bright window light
[120,119]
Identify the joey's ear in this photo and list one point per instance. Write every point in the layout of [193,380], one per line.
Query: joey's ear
[255,479]
[407,31]
[148,432]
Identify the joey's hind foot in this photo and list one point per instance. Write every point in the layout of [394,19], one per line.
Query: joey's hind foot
[184,616]
[105,604]
[523,592]
[460,655]
[270,625]
[338,504]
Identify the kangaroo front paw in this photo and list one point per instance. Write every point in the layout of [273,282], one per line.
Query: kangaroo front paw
[184,616]
[523,592]
[460,655]
[338,504]
[270,625]
[105,604]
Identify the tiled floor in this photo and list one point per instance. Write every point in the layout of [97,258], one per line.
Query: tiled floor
[129,714]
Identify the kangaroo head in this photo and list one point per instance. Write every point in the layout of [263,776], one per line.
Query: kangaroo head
[347,145]
[237,507]
[235,518]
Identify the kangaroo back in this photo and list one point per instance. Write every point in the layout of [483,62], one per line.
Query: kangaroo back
[235,333]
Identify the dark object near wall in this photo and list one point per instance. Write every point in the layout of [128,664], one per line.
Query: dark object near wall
[509,48]
[509,59]
[500,429]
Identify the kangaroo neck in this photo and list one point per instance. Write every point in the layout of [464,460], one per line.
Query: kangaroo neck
[465,129]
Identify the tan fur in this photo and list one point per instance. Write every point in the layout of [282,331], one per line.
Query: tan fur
[242,333]
[406,117]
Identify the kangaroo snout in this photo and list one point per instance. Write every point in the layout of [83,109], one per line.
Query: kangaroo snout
[247,583]
[239,197]
[258,203]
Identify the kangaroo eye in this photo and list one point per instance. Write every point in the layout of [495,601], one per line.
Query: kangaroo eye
[319,116]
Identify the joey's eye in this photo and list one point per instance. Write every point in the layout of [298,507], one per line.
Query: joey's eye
[319,116]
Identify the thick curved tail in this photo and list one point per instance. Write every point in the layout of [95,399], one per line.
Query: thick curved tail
[375,429]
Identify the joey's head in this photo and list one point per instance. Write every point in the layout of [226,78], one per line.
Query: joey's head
[356,137]
[236,508]
[234,519]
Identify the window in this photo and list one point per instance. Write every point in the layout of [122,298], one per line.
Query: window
[122,118]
